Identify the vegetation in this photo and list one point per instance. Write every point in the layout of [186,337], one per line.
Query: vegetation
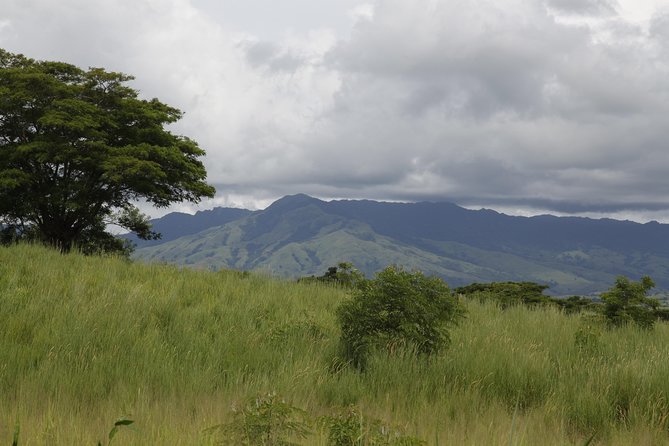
[78,147]
[265,420]
[352,428]
[86,338]
[344,274]
[507,294]
[625,302]
[397,309]
[628,302]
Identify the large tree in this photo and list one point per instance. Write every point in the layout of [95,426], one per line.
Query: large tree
[79,147]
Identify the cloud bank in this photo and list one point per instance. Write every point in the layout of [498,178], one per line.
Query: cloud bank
[555,105]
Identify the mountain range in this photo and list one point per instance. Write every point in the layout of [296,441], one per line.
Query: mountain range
[300,236]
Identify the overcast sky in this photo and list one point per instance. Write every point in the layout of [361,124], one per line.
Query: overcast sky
[523,106]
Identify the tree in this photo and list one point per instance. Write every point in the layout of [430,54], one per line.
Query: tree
[79,147]
[628,302]
[397,308]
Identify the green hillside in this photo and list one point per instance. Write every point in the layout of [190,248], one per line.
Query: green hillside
[86,340]
[301,236]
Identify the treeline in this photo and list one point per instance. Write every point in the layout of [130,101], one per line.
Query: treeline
[409,309]
[626,301]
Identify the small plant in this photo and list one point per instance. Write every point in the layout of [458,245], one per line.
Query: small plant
[398,308]
[627,302]
[265,421]
[121,422]
[350,428]
[587,338]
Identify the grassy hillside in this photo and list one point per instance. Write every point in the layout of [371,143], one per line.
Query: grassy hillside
[86,340]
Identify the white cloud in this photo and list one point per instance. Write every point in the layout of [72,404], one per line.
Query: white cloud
[364,11]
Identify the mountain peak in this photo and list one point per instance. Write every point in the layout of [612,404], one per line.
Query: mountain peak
[293,202]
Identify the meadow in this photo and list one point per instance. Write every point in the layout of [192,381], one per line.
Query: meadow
[86,340]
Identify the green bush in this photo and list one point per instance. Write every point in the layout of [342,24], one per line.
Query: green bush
[266,420]
[397,309]
[627,302]
[351,428]
[588,337]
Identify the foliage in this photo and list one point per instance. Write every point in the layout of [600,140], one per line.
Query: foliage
[397,308]
[266,420]
[509,294]
[575,304]
[78,147]
[588,337]
[506,294]
[344,274]
[662,314]
[628,302]
[351,428]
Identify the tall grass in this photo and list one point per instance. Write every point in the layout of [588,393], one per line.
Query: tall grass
[85,340]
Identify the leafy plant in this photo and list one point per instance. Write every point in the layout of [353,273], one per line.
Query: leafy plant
[628,302]
[351,428]
[587,338]
[265,420]
[398,308]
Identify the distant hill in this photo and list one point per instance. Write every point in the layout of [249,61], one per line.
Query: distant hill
[299,235]
[178,224]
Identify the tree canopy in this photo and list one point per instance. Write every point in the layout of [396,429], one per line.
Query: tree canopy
[628,302]
[79,147]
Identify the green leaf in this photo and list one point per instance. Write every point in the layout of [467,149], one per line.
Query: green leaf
[123,422]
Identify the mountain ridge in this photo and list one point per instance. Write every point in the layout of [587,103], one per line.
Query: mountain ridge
[299,235]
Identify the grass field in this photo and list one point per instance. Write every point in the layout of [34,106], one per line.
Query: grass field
[86,340]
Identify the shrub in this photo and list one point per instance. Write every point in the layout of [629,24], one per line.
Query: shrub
[627,302]
[265,421]
[397,308]
[350,428]
[588,337]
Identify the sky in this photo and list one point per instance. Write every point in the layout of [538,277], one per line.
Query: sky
[522,106]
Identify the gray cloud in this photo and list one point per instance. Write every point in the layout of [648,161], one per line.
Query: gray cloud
[263,54]
[502,106]
[515,105]
[585,7]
